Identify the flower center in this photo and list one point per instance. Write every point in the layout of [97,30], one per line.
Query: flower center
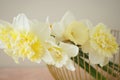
[56,52]
[104,42]
[33,46]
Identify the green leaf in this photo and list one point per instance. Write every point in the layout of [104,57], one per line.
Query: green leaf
[93,72]
[83,64]
[108,68]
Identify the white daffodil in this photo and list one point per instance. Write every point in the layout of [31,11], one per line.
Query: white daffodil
[101,45]
[25,39]
[61,53]
[70,29]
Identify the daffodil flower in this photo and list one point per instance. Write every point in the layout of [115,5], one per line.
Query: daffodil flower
[70,29]
[101,45]
[61,53]
[25,39]
[5,28]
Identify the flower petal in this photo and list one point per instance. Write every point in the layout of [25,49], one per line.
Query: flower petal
[87,23]
[67,19]
[96,58]
[103,41]
[47,58]
[69,65]
[58,30]
[70,49]
[77,32]
[4,24]
[47,20]
[21,22]
[41,29]
[62,62]
[2,46]
[86,47]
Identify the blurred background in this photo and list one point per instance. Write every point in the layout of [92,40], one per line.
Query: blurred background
[105,11]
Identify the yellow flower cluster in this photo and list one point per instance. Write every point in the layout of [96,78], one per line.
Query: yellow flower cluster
[21,44]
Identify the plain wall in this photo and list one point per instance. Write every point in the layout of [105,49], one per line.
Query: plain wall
[106,11]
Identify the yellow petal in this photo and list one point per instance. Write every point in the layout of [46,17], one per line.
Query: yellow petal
[103,41]
[77,32]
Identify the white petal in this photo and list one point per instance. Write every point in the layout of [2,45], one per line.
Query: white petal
[106,60]
[51,42]
[62,62]
[59,65]
[47,20]
[41,29]
[69,49]
[47,58]
[70,66]
[87,23]
[21,22]
[4,24]
[86,48]
[67,19]
[116,59]
[96,58]
[58,30]
[2,46]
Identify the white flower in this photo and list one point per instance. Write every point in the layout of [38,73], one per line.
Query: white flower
[70,29]
[58,28]
[61,53]
[101,45]
[26,39]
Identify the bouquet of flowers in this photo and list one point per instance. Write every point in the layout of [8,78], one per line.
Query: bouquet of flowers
[60,43]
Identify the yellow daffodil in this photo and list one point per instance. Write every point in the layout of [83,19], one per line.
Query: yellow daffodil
[70,29]
[62,53]
[25,39]
[77,32]
[101,45]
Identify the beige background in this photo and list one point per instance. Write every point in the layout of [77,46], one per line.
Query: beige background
[106,11]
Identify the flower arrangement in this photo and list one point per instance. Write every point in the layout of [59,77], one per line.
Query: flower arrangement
[57,43]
